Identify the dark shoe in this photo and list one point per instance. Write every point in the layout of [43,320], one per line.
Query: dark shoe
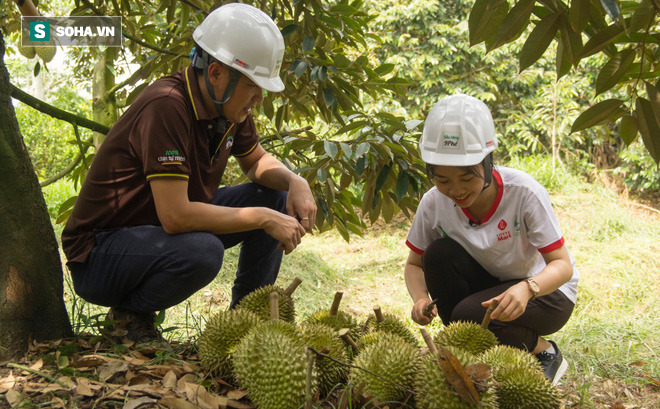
[136,327]
[553,365]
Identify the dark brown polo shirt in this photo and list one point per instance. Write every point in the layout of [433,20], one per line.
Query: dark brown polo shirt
[163,134]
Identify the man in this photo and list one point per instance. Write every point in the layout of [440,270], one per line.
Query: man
[150,225]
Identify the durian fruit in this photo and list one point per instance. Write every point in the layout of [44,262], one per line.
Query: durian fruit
[28,52]
[220,338]
[323,338]
[258,301]
[466,335]
[394,360]
[523,387]
[389,323]
[433,391]
[271,365]
[375,336]
[337,319]
[502,356]
[46,53]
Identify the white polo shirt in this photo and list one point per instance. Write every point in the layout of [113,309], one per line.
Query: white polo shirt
[511,238]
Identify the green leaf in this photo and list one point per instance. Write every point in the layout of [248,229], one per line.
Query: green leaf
[288,30]
[351,126]
[402,183]
[653,95]
[514,23]
[300,68]
[346,148]
[539,40]
[308,44]
[579,13]
[612,8]
[330,149]
[384,69]
[413,123]
[485,18]
[596,114]
[37,68]
[601,39]
[642,16]
[362,149]
[572,41]
[321,175]
[628,129]
[329,97]
[648,123]
[614,70]
[382,177]
[563,62]
[135,93]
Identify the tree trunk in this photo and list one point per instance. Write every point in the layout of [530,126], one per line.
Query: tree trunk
[104,107]
[31,288]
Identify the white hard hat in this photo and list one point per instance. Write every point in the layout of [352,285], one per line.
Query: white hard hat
[459,131]
[246,39]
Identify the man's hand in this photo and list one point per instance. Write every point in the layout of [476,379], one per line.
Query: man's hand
[285,229]
[300,202]
[417,313]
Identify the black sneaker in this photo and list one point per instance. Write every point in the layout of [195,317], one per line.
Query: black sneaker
[136,327]
[553,365]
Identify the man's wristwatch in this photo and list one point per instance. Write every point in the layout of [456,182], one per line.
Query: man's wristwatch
[533,287]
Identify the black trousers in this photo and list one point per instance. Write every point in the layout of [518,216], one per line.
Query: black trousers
[461,285]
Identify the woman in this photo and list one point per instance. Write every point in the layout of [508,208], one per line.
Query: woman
[484,234]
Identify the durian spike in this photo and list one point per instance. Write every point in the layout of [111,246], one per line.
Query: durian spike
[292,287]
[335,303]
[274,306]
[343,334]
[491,307]
[379,314]
[429,341]
[308,378]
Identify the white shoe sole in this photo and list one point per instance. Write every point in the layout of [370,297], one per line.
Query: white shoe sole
[560,372]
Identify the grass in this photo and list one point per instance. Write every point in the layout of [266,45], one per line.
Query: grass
[611,341]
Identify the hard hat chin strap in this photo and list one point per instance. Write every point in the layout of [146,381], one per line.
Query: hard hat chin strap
[488,170]
[202,59]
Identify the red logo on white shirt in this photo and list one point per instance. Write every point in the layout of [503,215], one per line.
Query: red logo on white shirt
[501,225]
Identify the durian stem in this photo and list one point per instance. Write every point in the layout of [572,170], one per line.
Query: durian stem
[292,287]
[335,303]
[343,334]
[27,8]
[491,307]
[308,379]
[274,306]
[379,314]
[429,341]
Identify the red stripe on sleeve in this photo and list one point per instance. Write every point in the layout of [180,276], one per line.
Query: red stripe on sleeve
[553,246]
[413,248]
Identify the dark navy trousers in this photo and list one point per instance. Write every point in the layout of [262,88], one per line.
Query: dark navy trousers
[143,268]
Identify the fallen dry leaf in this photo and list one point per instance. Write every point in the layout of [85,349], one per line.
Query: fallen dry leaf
[177,403]
[7,383]
[134,403]
[169,380]
[111,369]
[15,398]
[236,394]
[90,361]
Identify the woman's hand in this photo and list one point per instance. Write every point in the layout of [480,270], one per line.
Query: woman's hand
[512,302]
[417,313]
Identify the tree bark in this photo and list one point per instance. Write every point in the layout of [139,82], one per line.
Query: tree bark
[104,105]
[31,287]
